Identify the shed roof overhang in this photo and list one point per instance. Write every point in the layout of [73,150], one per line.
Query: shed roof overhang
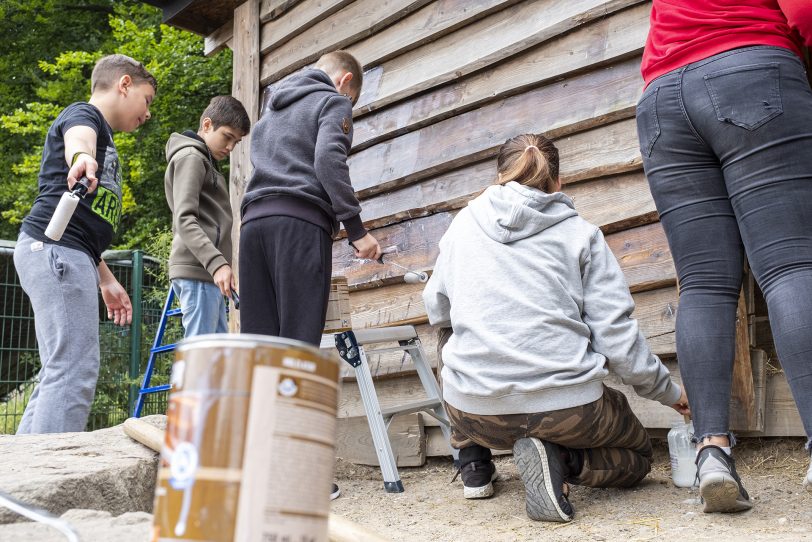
[199,16]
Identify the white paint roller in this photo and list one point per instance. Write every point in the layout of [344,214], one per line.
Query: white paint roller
[64,211]
[409,277]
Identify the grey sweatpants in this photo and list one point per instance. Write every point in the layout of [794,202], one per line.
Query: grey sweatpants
[62,284]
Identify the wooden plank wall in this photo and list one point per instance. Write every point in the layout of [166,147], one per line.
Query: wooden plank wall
[446,83]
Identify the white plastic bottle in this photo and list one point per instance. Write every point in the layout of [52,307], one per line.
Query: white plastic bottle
[683,454]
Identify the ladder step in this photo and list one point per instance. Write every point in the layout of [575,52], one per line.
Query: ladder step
[174,312]
[156,389]
[161,349]
[408,408]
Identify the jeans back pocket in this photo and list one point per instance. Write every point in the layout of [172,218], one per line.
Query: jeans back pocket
[648,125]
[747,96]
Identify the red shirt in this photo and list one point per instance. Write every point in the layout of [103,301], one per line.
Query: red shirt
[685,31]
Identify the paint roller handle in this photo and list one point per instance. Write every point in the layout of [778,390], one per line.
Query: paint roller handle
[81,187]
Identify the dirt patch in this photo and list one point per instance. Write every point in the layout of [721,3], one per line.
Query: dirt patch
[433,509]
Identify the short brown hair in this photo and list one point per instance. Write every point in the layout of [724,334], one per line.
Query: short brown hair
[227,111]
[109,69]
[344,61]
[529,159]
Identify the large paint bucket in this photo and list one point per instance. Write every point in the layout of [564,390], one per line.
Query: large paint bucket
[250,439]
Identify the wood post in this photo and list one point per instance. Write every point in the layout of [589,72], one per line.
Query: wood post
[245,87]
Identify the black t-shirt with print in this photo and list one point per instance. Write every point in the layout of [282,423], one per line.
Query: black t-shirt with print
[97,217]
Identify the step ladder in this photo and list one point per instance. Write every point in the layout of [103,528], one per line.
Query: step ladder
[157,348]
[350,345]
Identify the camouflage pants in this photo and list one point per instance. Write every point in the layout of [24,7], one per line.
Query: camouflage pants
[615,446]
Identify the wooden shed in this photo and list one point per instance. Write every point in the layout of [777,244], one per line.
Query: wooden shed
[446,83]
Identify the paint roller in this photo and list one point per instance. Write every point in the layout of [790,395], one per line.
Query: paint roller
[64,211]
[409,277]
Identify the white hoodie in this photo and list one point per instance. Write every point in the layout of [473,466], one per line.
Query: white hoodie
[539,307]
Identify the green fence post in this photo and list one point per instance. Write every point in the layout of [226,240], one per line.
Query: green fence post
[135,328]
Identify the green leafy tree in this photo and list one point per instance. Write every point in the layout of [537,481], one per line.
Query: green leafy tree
[186,82]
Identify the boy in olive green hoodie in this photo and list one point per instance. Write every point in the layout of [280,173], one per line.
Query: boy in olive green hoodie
[197,193]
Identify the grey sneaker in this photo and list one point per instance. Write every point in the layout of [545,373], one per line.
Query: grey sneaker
[543,474]
[477,479]
[720,488]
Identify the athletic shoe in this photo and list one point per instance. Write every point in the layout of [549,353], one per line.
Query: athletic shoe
[543,474]
[808,479]
[334,492]
[720,487]
[477,479]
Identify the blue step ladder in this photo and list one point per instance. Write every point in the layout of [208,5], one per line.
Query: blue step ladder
[157,348]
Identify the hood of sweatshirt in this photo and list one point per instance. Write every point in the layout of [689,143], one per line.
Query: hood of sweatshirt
[510,212]
[300,85]
[186,139]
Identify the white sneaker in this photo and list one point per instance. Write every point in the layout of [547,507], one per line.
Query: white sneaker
[808,479]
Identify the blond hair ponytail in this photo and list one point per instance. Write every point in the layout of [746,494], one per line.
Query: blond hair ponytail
[529,159]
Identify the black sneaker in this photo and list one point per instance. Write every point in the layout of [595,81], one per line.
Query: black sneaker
[477,479]
[334,492]
[720,487]
[539,464]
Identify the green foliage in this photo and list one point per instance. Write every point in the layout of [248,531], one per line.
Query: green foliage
[61,75]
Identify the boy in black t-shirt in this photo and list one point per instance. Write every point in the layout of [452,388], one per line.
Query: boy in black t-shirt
[62,277]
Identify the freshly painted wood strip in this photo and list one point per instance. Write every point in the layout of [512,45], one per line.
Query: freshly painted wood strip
[558,109]
[245,87]
[479,45]
[358,20]
[401,303]
[296,21]
[608,40]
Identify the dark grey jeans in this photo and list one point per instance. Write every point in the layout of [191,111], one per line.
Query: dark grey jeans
[727,149]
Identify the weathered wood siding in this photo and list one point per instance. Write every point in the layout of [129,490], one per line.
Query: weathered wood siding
[446,83]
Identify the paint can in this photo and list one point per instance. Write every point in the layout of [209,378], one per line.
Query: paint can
[338,306]
[250,438]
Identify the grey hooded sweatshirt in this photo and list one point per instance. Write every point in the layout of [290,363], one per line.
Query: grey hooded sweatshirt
[539,307]
[299,152]
[201,211]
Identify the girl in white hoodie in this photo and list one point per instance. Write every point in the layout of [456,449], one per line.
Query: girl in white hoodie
[540,311]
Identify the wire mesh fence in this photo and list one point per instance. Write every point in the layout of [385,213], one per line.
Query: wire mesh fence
[124,350]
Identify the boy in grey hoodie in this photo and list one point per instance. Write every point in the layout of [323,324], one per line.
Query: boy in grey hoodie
[540,311]
[197,194]
[298,193]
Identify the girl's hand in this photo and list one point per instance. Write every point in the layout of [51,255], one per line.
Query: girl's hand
[682,406]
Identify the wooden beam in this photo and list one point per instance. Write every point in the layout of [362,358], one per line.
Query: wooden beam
[406,435]
[358,20]
[301,17]
[245,87]
[743,395]
[607,40]
[429,23]
[479,45]
[217,40]
[273,9]
[558,109]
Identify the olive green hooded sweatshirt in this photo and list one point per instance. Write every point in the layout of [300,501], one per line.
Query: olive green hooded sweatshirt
[201,211]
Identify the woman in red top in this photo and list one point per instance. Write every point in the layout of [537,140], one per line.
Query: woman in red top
[725,129]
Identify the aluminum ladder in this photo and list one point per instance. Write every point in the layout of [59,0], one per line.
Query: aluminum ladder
[350,345]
